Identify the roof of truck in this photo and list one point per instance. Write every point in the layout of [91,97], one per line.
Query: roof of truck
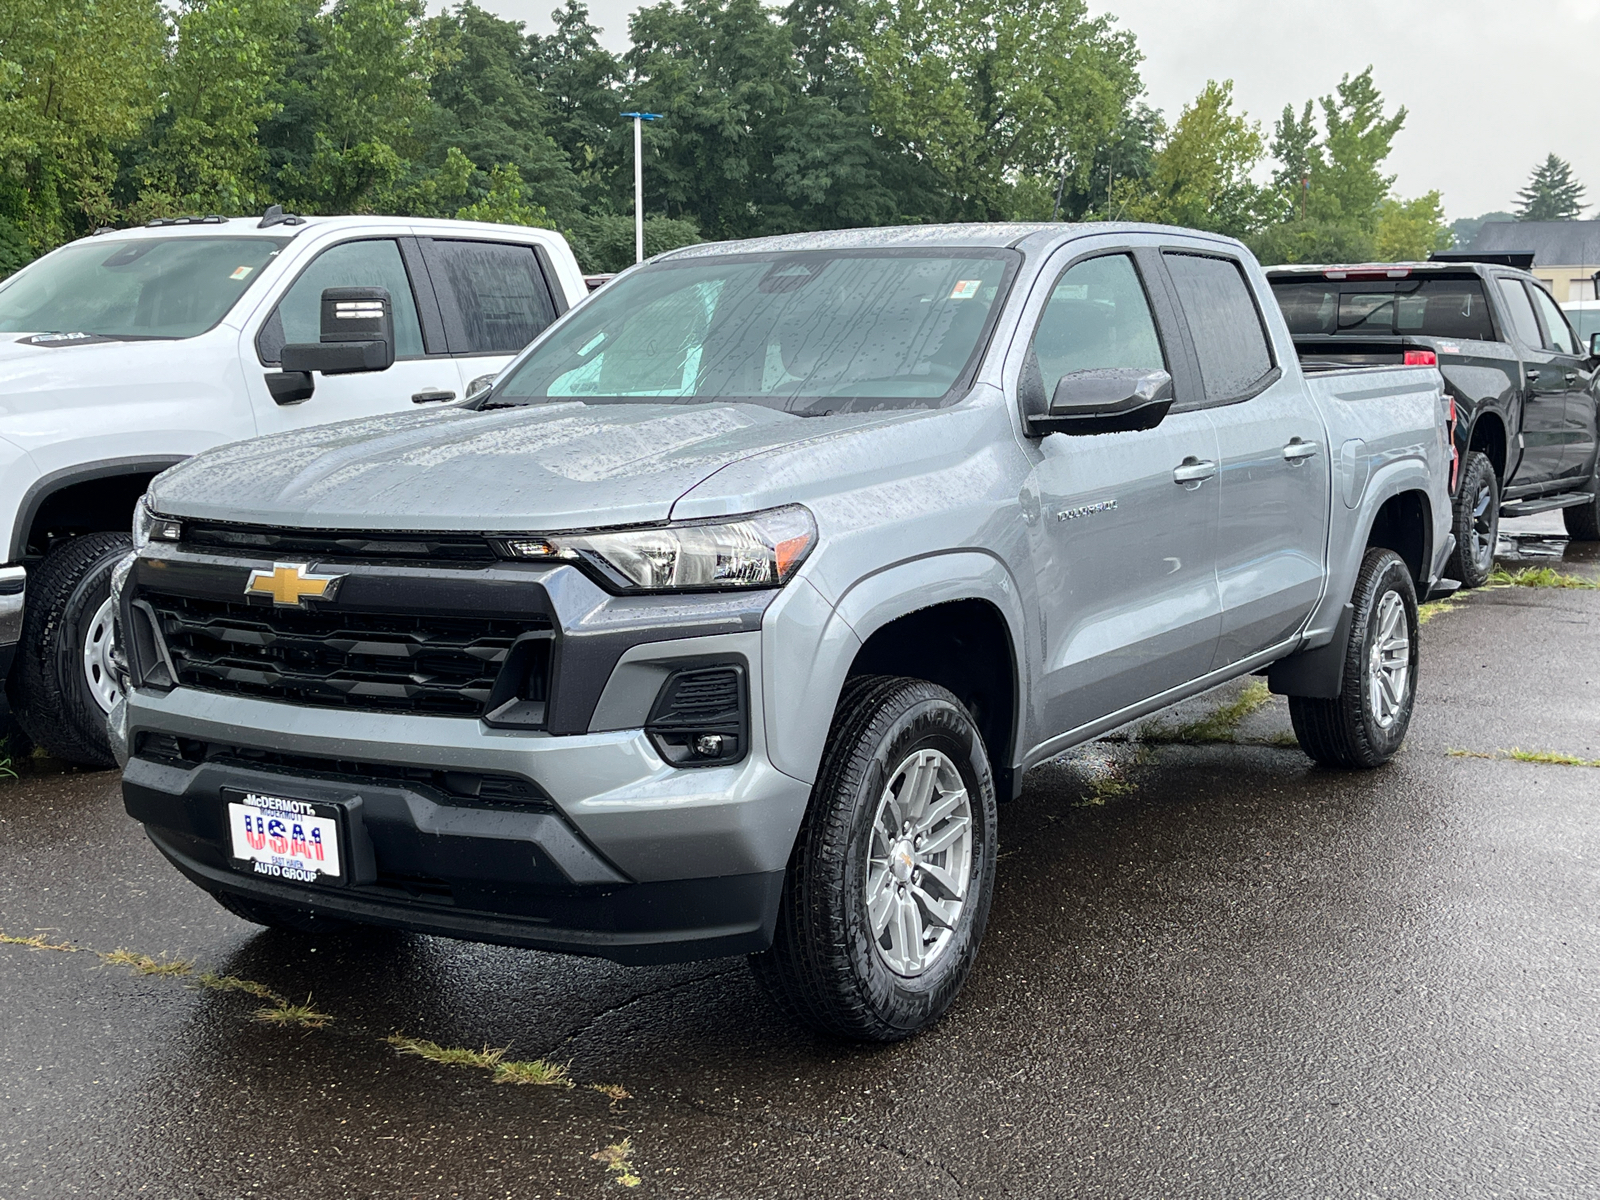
[1382,270]
[235,226]
[975,235]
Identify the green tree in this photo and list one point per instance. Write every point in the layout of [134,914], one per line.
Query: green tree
[506,202]
[580,83]
[1552,193]
[1200,175]
[487,104]
[78,78]
[1410,230]
[203,156]
[1464,229]
[988,93]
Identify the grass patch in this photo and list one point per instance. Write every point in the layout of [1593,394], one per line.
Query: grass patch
[1217,726]
[616,1158]
[294,1016]
[232,983]
[535,1071]
[1108,787]
[1430,610]
[1517,754]
[143,964]
[1539,577]
[37,942]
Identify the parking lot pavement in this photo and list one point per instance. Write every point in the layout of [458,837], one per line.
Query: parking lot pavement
[1211,970]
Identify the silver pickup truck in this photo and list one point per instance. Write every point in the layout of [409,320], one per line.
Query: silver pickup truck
[722,622]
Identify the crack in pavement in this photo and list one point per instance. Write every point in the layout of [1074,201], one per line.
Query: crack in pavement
[595,1019]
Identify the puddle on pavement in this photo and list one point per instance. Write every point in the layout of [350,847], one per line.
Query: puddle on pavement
[1542,541]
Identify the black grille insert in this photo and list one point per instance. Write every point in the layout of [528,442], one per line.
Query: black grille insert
[471,788]
[445,549]
[335,658]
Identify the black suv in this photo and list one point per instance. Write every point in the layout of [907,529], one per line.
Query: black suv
[1523,387]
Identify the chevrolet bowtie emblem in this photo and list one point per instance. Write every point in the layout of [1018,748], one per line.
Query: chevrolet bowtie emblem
[291,583]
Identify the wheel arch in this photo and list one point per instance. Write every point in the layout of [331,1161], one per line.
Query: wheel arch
[86,498]
[1488,436]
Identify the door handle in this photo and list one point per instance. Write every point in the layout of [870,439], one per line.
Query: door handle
[431,396]
[1571,375]
[1192,472]
[1533,372]
[1298,451]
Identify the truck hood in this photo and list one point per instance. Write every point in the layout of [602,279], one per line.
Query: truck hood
[546,467]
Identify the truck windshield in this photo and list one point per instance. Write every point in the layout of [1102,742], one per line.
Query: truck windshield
[809,333]
[1434,307]
[134,288]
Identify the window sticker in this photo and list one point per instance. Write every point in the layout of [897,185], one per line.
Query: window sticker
[965,289]
[241,272]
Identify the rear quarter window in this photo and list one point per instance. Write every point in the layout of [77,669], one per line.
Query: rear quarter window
[501,301]
[1230,341]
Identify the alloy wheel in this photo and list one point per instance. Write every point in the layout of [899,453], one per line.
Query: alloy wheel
[1389,661]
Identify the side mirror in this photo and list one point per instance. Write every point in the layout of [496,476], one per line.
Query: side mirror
[1112,400]
[357,334]
[1594,345]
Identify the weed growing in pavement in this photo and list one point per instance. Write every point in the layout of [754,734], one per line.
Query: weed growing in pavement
[37,942]
[1539,577]
[534,1071]
[1217,726]
[1517,754]
[300,1016]
[615,1157]
[1430,610]
[143,964]
[232,983]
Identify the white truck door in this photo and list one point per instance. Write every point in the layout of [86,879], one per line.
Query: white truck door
[421,373]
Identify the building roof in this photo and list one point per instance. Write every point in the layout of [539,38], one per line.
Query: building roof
[1554,243]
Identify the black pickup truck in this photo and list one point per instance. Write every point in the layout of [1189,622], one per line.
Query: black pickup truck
[1523,387]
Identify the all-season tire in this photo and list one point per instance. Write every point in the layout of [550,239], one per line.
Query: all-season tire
[1366,722]
[51,689]
[895,744]
[1583,520]
[1476,522]
[280,916]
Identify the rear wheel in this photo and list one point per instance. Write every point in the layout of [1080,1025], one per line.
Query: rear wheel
[888,888]
[1366,722]
[63,685]
[1583,521]
[1477,522]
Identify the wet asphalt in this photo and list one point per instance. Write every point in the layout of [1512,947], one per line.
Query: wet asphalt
[1211,971]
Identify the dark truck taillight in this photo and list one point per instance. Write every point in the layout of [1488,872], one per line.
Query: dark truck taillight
[701,717]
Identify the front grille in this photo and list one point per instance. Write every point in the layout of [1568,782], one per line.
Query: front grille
[472,788]
[384,662]
[444,549]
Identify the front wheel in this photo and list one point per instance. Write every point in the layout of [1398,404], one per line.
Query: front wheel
[1366,722]
[63,686]
[1583,520]
[1477,522]
[888,889]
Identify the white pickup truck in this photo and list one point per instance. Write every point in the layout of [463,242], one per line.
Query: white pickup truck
[126,352]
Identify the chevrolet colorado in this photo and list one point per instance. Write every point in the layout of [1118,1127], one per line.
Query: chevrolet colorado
[721,623]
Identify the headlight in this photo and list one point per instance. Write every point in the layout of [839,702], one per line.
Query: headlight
[148,525]
[761,550]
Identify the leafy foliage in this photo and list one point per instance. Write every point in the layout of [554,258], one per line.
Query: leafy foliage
[823,114]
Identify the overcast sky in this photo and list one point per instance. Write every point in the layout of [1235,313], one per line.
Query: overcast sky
[1492,86]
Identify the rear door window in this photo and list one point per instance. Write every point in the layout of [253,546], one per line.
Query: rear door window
[1229,338]
[1558,336]
[369,263]
[494,294]
[1520,310]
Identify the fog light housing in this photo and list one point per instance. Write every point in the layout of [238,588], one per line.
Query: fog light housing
[700,717]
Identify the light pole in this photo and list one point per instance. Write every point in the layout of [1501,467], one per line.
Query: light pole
[639,118]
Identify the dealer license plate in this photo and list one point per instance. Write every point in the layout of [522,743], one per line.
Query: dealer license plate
[281,838]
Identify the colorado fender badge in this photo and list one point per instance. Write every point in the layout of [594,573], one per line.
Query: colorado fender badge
[1086,510]
[291,584]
